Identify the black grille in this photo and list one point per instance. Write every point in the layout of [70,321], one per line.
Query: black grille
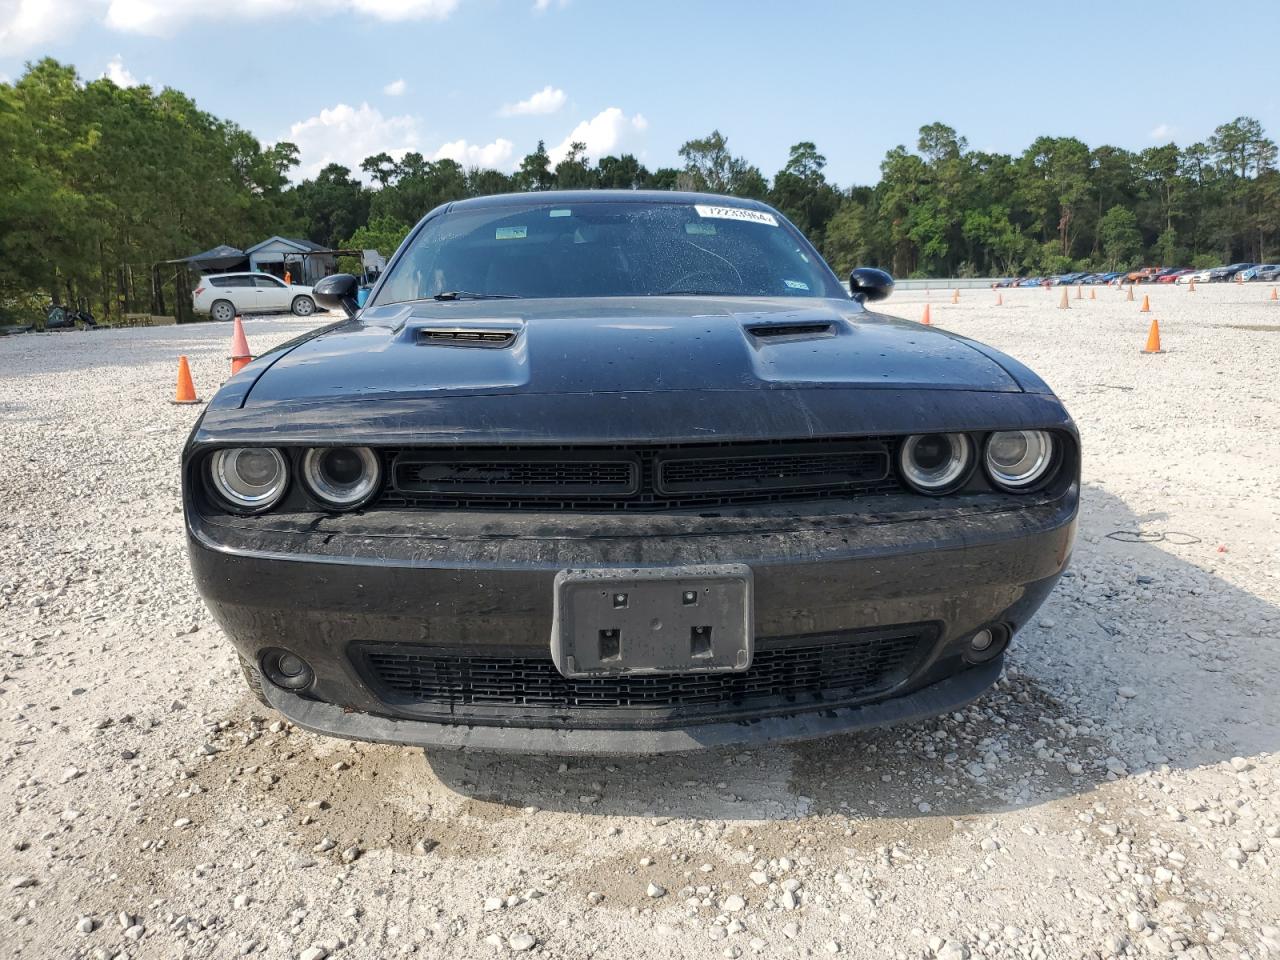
[636,478]
[804,672]
[513,475]
[773,471]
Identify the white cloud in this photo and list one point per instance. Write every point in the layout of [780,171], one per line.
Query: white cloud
[29,24]
[498,155]
[606,132]
[118,74]
[397,10]
[345,134]
[1161,132]
[25,24]
[547,100]
[395,88]
[542,6]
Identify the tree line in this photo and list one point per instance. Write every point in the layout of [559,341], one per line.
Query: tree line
[102,182]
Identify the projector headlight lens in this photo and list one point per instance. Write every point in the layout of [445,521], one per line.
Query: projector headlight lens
[936,463]
[342,477]
[249,479]
[1018,459]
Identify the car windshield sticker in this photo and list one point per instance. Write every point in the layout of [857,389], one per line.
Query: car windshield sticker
[735,213]
[511,233]
[796,284]
[701,229]
[562,213]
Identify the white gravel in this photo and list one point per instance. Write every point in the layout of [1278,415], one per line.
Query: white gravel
[1117,795]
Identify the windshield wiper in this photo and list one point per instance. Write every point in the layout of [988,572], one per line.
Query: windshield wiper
[468,295]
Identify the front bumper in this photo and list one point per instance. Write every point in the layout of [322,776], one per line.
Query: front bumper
[480,585]
[941,697]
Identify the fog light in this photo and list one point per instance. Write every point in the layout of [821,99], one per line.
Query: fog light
[287,670]
[987,643]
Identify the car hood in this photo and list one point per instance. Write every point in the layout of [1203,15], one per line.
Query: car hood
[622,345]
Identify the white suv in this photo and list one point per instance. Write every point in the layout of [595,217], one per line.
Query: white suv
[223,295]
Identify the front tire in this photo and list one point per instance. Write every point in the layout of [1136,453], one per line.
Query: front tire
[223,311]
[303,306]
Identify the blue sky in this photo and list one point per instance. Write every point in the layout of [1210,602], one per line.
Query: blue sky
[483,80]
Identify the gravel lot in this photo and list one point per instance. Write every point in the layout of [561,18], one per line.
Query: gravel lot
[1117,795]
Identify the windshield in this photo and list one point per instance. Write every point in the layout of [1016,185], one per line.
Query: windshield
[607,249]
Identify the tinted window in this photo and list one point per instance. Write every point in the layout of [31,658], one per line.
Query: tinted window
[609,249]
[268,282]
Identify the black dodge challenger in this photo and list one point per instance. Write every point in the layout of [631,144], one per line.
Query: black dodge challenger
[624,472]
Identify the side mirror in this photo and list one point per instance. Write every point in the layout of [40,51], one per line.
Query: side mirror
[868,283]
[338,292]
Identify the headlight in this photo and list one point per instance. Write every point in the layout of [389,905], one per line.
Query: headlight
[249,479]
[936,462]
[342,477]
[1017,459]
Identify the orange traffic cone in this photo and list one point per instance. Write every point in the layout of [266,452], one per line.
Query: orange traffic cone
[1079,291]
[1093,293]
[1153,338]
[1000,299]
[925,319]
[955,296]
[240,355]
[1191,287]
[1130,297]
[186,392]
[1064,303]
[1146,304]
[1273,294]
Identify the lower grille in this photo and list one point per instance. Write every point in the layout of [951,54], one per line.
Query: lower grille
[785,676]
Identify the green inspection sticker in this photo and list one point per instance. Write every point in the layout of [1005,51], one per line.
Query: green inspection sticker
[562,213]
[511,233]
[700,229]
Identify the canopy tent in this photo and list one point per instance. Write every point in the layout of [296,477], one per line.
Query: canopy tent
[221,257]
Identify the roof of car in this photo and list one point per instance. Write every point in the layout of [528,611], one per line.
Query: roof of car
[606,196]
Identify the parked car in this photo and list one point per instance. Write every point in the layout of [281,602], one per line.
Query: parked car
[616,482]
[1223,274]
[1199,276]
[1144,275]
[223,295]
[1172,274]
[1263,271]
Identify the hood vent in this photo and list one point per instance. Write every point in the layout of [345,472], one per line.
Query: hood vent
[781,332]
[466,336]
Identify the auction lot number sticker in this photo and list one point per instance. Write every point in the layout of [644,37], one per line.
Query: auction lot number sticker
[735,213]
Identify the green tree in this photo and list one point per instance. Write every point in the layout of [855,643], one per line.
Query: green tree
[535,170]
[800,190]
[574,171]
[1121,240]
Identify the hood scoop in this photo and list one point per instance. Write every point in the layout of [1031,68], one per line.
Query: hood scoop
[493,336]
[787,331]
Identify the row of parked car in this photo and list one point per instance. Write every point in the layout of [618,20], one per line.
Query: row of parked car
[1268,272]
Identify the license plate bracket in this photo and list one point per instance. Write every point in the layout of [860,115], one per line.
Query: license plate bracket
[647,620]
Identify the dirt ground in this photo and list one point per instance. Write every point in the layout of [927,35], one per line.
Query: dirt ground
[1117,795]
